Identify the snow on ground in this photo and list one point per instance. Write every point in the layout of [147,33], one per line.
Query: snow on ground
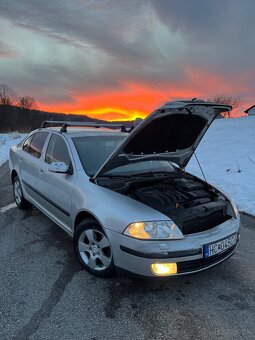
[227,157]
[226,154]
[6,141]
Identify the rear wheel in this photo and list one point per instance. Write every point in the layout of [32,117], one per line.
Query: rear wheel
[93,248]
[21,202]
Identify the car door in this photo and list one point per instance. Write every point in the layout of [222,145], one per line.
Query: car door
[56,188]
[29,163]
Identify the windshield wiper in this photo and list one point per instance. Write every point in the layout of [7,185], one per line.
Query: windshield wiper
[141,174]
[152,174]
[114,176]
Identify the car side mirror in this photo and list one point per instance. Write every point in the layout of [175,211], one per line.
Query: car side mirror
[59,168]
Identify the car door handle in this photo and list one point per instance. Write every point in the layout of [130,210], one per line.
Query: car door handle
[41,172]
[20,160]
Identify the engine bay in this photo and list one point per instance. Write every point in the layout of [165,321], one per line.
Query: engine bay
[193,204]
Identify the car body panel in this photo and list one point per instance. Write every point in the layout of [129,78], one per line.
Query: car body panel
[56,192]
[56,188]
[112,209]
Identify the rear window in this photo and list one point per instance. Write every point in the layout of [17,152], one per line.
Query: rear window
[93,151]
[35,143]
[26,144]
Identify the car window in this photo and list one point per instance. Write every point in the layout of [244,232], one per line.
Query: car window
[57,151]
[93,151]
[37,143]
[34,144]
[27,143]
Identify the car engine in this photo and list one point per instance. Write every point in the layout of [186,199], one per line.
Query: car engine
[194,205]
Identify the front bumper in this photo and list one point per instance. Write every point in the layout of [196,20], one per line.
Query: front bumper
[136,256]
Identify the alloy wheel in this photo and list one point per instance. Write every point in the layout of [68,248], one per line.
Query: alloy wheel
[94,249]
[17,191]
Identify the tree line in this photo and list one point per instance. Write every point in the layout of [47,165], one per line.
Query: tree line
[14,118]
[22,113]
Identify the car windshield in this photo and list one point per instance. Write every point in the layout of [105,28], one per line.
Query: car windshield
[142,168]
[93,151]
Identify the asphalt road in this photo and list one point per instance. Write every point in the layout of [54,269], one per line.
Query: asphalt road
[45,293]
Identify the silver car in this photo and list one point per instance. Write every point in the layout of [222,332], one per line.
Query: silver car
[125,197]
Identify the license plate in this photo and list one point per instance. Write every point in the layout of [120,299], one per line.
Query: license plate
[220,246]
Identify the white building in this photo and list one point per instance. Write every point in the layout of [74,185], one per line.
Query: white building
[251,111]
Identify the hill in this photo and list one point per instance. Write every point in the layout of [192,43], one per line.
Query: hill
[14,118]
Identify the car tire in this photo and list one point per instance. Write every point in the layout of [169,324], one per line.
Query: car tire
[93,249]
[19,199]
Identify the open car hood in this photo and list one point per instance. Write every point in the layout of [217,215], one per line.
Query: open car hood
[170,133]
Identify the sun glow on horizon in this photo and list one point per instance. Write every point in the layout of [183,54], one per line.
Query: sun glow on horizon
[135,100]
[104,113]
[109,111]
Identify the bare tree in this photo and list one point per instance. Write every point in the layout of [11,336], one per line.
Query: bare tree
[7,95]
[27,102]
[235,102]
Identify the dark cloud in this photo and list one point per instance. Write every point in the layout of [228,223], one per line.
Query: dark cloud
[206,22]
[222,30]
[92,46]
[107,27]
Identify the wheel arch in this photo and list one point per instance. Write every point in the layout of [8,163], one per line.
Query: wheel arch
[13,174]
[83,215]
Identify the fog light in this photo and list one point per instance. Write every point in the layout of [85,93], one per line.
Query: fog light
[164,269]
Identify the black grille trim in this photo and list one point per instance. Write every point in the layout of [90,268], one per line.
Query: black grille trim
[199,264]
[163,255]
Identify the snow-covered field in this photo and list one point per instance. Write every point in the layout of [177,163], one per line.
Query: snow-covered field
[226,154]
[6,141]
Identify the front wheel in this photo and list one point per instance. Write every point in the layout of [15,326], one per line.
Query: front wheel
[21,202]
[93,248]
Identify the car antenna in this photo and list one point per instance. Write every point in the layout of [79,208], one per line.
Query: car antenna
[200,166]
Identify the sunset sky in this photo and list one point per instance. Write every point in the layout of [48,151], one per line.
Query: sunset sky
[119,59]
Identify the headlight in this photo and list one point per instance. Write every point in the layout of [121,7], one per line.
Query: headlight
[159,230]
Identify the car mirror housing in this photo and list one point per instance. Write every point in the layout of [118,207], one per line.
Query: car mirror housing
[60,168]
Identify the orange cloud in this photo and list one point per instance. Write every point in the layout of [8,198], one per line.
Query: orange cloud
[138,100]
[212,83]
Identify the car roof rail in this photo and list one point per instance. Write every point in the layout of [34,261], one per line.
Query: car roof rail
[65,124]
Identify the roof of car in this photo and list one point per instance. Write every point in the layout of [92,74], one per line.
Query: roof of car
[85,131]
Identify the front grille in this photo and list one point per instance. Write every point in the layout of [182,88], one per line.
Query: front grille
[194,265]
[196,225]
